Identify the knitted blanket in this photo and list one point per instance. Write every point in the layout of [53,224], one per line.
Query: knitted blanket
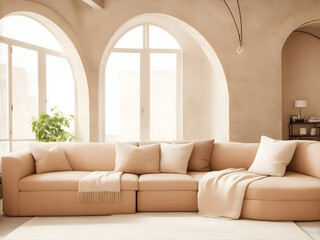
[100,186]
[221,193]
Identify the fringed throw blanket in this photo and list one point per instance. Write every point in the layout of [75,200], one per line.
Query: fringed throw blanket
[100,187]
[221,193]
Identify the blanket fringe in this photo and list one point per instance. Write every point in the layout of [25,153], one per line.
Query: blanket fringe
[98,197]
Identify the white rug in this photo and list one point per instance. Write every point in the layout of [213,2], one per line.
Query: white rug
[154,226]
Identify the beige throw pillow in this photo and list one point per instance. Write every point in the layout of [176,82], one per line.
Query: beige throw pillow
[175,157]
[273,157]
[139,160]
[200,156]
[50,160]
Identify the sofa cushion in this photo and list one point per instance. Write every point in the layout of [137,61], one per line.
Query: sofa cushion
[175,157]
[92,156]
[139,160]
[67,181]
[200,156]
[306,158]
[273,157]
[50,160]
[292,186]
[233,155]
[85,156]
[197,175]
[167,182]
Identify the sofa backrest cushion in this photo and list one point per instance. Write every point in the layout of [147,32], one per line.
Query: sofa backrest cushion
[306,159]
[92,156]
[85,156]
[233,155]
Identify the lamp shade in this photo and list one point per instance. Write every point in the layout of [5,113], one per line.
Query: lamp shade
[300,103]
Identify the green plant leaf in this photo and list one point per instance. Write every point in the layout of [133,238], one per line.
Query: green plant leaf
[54,127]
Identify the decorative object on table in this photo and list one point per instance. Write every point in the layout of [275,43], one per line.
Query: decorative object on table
[313,131]
[54,127]
[300,104]
[293,118]
[314,119]
[303,131]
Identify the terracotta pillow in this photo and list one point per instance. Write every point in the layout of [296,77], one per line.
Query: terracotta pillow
[175,157]
[200,156]
[273,157]
[138,160]
[50,160]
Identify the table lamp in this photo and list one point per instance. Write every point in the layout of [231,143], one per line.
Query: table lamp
[300,104]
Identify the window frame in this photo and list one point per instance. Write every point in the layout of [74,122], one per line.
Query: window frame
[42,91]
[145,53]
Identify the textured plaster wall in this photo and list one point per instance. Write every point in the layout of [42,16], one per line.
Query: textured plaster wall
[254,77]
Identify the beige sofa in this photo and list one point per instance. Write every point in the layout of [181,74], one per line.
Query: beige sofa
[295,196]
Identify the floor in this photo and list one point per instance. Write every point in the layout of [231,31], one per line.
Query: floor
[9,224]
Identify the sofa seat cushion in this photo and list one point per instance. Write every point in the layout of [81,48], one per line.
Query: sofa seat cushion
[68,181]
[167,182]
[197,175]
[292,186]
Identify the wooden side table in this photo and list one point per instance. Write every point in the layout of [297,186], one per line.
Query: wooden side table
[294,133]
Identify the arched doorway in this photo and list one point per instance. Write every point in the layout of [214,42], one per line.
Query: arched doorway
[300,75]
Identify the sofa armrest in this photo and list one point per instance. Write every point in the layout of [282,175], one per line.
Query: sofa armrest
[15,166]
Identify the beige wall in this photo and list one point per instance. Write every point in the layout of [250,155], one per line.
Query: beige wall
[301,76]
[254,77]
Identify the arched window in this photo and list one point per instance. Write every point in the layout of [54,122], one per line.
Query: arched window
[143,86]
[35,75]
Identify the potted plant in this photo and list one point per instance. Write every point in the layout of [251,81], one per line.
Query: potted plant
[54,127]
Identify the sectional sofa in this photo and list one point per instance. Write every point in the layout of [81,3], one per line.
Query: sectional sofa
[295,196]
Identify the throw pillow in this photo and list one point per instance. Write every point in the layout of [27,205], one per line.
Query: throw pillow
[175,157]
[50,160]
[273,157]
[200,156]
[139,160]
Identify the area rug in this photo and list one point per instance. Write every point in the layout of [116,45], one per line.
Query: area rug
[155,226]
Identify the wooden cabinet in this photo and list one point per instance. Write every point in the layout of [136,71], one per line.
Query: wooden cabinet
[294,131]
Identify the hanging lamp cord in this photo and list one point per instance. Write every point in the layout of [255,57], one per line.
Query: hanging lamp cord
[239,31]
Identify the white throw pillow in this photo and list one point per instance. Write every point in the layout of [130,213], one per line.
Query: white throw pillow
[138,160]
[50,160]
[273,156]
[175,157]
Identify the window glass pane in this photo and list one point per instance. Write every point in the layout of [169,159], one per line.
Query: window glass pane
[4,148]
[163,97]
[60,84]
[122,97]
[161,39]
[131,39]
[20,145]
[24,91]
[4,94]
[27,30]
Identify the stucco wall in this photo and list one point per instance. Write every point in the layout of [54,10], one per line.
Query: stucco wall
[254,77]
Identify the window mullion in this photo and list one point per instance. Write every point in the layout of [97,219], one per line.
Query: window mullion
[144,97]
[10,95]
[42,91]
[145,88]
[179,102]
